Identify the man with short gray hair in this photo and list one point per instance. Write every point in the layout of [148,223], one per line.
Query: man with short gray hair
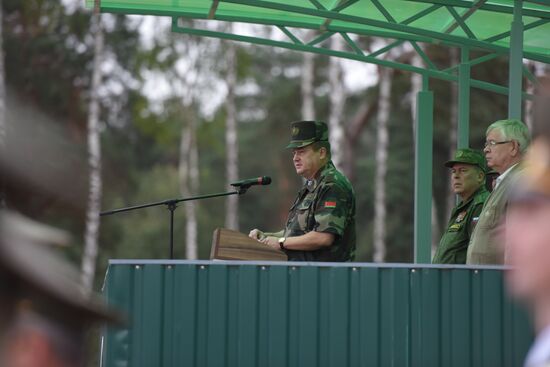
[505,144]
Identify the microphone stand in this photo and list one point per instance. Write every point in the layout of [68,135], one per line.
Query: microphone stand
[171,205]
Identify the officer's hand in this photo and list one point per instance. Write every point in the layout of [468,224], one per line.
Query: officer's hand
[271,242]
[256,234]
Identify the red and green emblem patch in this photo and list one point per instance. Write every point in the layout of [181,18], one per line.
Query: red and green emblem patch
[330,204]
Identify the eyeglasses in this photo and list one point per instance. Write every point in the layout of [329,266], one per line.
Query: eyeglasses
[492,143]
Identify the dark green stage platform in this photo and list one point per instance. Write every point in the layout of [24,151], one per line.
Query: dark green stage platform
[203,313]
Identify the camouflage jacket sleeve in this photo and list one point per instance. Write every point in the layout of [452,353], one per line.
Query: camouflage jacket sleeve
[332,210]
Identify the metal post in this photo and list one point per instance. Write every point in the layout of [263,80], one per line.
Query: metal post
[463,132]
[516,60]
[172,207]
[423,175]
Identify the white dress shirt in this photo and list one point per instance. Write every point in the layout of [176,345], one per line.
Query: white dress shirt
[501,177]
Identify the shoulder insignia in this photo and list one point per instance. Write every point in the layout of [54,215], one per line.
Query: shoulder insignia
[330,204]
[455,227]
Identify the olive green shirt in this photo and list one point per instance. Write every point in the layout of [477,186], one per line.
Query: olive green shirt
[453,245]
[325,204]
[485,245]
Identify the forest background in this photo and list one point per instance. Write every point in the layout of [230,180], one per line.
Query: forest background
[180,116]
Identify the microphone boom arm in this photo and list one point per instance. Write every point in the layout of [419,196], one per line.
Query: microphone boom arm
[171,204]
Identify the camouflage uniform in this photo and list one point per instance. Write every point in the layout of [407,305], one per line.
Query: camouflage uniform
[453,245]
[325,204]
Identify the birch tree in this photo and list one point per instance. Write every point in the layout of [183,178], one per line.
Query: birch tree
[537,69]
[94,159]
[337,98]
[308,68]
[192,78]
[189,179]
[189,154]
[231,144]
[382,140]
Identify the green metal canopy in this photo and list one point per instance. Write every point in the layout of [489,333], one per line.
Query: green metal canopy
[479,24]
[516,29]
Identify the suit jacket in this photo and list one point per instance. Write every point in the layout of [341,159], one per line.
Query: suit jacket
[485,245]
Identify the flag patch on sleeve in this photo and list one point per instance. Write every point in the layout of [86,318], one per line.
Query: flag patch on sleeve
[330,204]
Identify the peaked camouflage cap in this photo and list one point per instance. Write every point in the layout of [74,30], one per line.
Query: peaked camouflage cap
[468,156]
[304,133]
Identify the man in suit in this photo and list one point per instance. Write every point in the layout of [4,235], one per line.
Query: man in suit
[505,145]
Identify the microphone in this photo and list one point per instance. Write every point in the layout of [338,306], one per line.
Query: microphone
[264,180]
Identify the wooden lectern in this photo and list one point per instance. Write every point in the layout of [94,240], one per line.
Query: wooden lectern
[233,245]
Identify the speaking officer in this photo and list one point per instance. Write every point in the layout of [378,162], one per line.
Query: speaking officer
[468,182]
[321,222]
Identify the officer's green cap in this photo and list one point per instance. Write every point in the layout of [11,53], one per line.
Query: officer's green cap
[304,133]
[468,156]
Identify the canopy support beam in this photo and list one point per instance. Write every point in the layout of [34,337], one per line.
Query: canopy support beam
[463,136]
[309,47]
[423,174]
[516,63]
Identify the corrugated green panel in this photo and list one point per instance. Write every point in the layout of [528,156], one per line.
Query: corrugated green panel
[277,354]
[280,314]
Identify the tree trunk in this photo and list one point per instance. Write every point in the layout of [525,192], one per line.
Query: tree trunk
[308,106]
[231,144]
[537,69]
[382,139]
[94,160]
[191,206]
[2,110]
[354,128]
[189,181]
[337,101]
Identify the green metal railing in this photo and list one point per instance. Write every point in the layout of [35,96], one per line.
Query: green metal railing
[202,313]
